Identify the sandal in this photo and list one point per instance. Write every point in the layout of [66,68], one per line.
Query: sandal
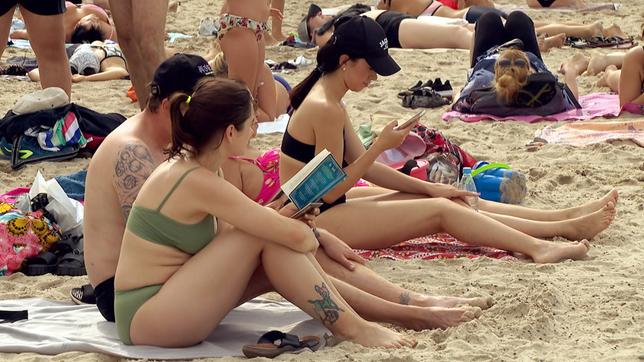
[71,264]
[41,264]
[83,295]
[274,343]
[424,97]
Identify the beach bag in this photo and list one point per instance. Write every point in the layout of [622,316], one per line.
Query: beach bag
[436,143]
[542,95]
[23,235]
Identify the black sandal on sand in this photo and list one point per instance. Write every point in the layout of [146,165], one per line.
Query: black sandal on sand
[41,264]
[424,97]
[83,295]
[274,343]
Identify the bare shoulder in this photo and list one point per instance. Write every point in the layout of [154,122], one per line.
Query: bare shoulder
[320,110]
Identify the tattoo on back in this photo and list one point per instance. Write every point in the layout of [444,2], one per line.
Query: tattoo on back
[134,164]
[327,310]
[405,298]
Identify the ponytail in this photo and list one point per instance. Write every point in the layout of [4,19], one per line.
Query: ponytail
[328,60]
[179,106]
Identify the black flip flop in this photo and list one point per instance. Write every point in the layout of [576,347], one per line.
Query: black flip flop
[274,343]
[41,264]
[71,264]
[83,295]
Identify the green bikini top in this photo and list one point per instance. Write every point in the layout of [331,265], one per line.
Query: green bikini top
[157,228]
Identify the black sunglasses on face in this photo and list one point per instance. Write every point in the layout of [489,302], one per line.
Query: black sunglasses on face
[505,63]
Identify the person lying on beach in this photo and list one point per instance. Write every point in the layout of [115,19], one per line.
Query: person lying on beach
[220,67]
[623,72]
[193,241]
[404,207]
[95,62]
[403,31]
[83,23]
[242,39]
[126,159]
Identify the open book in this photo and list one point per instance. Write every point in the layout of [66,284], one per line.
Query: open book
[314,180]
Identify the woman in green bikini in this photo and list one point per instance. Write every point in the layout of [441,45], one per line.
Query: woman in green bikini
[193,242]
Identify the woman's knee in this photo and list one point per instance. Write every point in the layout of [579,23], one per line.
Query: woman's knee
[519,18]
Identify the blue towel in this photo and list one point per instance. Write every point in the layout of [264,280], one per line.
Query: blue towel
[74,184]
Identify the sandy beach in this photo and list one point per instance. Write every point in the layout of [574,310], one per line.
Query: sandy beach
[590,310]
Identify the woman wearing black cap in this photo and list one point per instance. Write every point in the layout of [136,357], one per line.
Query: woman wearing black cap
[350,61]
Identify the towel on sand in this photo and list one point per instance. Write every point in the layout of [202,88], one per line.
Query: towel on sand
[593,105]
[437,246]
[586,133]
[57,327]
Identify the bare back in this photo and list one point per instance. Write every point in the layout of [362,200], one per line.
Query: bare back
[115,175]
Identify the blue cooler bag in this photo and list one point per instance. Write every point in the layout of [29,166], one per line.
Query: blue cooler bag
[497,182]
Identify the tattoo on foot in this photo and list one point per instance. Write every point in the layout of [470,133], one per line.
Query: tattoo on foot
[405,298]
[326,309]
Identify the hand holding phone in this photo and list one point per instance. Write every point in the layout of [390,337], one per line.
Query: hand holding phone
[414,119]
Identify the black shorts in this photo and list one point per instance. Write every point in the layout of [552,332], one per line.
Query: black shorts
[341,200]
[39,7]
[104,293]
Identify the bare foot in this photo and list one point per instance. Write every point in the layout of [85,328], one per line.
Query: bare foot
[439,317]
[375,335]
[556,41]
[595,205]
[603,80]
[575,65]
[587,226]
[556,252]
[614,30]
[596,29]
[597,64]
[451,302]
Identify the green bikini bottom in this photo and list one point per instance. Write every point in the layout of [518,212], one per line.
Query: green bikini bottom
[126,303]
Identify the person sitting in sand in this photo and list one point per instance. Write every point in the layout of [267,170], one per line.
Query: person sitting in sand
[370,217]
[242,39]
[628,81]
[83,23]
[95,62]
[126,159]
[193,241]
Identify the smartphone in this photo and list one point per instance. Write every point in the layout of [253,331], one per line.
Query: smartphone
[306,209]
[411,121]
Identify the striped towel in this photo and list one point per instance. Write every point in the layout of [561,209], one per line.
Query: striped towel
[66,131]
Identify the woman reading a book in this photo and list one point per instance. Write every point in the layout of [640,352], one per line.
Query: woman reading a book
[405,207]
[193,242]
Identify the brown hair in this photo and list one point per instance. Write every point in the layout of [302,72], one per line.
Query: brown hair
[215,104]
[509,80]
[154,102]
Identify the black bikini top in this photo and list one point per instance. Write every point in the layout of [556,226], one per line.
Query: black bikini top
[301,151]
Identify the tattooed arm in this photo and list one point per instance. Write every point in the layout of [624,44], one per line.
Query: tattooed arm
[133,165]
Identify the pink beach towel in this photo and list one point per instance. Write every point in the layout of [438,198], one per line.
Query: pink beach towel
[11,196]
[586,133]
[437,246]
[593,105]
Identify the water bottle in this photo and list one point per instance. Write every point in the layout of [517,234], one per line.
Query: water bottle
[467,184]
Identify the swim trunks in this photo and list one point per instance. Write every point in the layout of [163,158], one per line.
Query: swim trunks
[38,7]
[546,3]
[104,293]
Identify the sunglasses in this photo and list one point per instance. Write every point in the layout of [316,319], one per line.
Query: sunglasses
[506,63]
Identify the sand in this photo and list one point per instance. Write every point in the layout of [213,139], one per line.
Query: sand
[583,310]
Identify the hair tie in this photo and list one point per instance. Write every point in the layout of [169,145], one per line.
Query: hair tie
[188,100]
[319,69]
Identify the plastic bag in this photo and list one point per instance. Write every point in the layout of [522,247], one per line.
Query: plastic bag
[68,212]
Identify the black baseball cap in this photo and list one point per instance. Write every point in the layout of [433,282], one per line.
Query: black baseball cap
[362,37]
[180,72]
[303,29]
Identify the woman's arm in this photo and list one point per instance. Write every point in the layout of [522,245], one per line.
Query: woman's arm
[218,197]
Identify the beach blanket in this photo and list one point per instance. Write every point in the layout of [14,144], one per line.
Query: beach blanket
[593,105]
[437,246]
[57,327]
[586,133]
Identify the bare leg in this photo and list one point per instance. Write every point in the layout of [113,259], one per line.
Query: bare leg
[581,31]
[572,69]
[266,95]
[5,27]
[632,77]
[599,62]
[276,23]
[48,42]
[547,43]
[416,34]
[371,282]
[367,223]
[610,78]
[244,57]
[193,306]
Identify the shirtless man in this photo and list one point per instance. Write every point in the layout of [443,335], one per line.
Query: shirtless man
[130,153]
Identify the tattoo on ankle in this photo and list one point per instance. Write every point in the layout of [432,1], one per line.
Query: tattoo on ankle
[327,310]
[405,298]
